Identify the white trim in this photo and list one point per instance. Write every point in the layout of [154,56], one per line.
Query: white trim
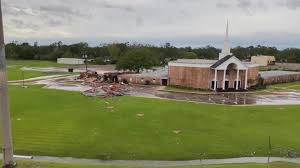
[190,65]
[246,80]
[237,78]
[216,79]
[240,64]
[224,79]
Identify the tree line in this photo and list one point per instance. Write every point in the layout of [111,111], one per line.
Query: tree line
[137,56]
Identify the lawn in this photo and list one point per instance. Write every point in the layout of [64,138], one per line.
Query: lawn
[15,72]
[31,164]
[61,123]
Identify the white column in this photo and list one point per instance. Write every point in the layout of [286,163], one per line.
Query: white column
[237,79]
[224,79]
[215,86]
[246,80]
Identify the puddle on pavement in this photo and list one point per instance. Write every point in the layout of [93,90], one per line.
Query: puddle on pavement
[277,98]
[68,84]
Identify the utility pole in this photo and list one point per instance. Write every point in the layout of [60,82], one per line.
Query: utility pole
[85,62]
[4,109]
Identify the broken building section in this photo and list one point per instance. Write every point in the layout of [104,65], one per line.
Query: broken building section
[157,76]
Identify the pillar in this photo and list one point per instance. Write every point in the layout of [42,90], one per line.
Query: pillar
[224,79]
[237,79]
[246,80]
[215,86]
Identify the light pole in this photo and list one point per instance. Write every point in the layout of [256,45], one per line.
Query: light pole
[4,110]
[85,62]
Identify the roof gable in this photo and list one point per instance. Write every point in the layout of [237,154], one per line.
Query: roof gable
[226,61]
[221,61]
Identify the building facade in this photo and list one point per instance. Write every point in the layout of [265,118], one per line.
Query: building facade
[226,73]
[70,61]
[263,60]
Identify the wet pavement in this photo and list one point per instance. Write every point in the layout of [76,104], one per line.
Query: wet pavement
[100,69]
[64,83]
[156,163]
[272,98]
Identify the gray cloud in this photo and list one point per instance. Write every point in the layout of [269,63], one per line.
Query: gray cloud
[292,4]
[126,8]
[20,24]
[142,19]
[17,10]
[56,15]
[221,4]
[61,11]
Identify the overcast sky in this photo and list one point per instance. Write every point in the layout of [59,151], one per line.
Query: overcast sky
[182,22]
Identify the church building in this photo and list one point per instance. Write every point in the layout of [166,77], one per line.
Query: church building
[226,73]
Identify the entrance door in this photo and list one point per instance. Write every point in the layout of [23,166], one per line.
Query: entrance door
[239,84]
[226,85]
[212,86]
[164,82]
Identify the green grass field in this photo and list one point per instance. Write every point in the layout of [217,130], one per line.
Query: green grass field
[14,71]
[31,164]
[61,123]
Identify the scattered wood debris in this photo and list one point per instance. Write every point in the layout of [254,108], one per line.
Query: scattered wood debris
[177,131]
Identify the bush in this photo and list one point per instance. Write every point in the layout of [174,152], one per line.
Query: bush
[99,61]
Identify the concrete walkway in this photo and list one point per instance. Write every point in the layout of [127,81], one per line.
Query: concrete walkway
[39,78]
[262,160]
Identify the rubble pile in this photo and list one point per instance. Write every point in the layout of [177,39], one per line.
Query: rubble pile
[89,74]
[101,86]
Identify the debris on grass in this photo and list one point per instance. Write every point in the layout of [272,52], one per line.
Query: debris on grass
[140,115]
[103,85]
[110,107]
[177,131]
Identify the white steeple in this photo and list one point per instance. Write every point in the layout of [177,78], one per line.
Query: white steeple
[226,48]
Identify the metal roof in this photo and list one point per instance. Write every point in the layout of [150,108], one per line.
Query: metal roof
[221,61]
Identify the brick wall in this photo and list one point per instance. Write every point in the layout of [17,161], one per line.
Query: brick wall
[281,79]
[189,77]
[201,78]
[138,79]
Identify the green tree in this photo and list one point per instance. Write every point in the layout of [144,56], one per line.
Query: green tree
[190,55]
[114,52]
[137,59]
